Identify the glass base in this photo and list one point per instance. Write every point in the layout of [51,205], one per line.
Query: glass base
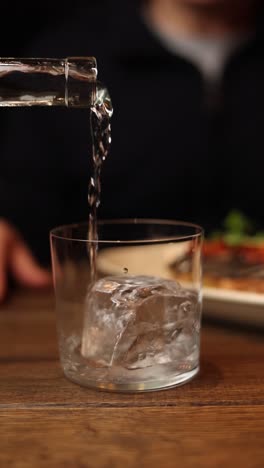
[135,386]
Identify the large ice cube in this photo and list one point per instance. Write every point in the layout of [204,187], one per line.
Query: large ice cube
[138,321]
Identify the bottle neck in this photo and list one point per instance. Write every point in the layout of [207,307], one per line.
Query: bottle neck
[69,82]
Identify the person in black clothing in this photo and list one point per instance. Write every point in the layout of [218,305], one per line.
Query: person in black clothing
[186,80]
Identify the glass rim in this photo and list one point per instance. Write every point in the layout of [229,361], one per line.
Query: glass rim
[198,230]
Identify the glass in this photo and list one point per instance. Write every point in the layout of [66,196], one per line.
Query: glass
[136,327]
[67,82]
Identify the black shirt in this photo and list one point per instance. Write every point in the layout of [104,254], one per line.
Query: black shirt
[179,150]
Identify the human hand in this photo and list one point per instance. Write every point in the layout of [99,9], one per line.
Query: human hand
[17,260]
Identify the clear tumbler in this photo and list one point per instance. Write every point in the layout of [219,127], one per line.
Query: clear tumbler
[134,324]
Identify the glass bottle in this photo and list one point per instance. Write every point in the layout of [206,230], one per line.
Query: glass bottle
[69,82]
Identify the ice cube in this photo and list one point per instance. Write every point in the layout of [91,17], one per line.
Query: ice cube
[136,321]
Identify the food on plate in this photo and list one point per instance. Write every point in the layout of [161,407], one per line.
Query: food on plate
[233,258]
[238,267]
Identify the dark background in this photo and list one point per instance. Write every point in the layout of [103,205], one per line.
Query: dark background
[21,24]
[217,150]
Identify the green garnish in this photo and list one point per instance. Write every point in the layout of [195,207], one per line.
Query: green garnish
[237,223]
[238,229]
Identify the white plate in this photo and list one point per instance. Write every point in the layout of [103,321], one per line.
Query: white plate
[238,306]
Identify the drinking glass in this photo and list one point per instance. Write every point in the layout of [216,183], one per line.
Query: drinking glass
[128,303]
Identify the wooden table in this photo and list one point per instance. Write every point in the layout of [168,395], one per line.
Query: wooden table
[217,420]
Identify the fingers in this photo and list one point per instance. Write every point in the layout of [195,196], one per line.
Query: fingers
[25,269]
[3,281]
[16,258]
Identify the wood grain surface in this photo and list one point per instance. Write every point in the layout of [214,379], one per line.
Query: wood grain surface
[46,420]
